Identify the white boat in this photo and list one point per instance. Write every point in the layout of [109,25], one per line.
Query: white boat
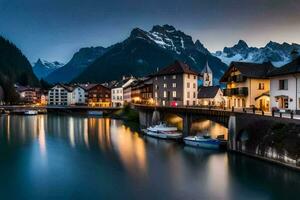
[203,141]
[30,112]
[163,131]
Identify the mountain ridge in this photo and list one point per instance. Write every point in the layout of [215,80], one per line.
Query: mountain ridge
[143,51]
[278,53]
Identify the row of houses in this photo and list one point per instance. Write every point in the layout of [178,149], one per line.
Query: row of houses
[245,85]
[263,86]
[174,85]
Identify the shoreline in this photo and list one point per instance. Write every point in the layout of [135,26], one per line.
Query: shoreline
[269,160]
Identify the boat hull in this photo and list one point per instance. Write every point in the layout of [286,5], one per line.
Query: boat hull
[171,136]
[208,144]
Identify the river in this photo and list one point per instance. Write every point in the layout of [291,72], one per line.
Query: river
[78,157]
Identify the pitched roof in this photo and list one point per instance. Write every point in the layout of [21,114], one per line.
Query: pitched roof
[290,68]
[249,70]
[122,82]
[176,68]
[206,69]
[88,86]
[68,88]
[208,92]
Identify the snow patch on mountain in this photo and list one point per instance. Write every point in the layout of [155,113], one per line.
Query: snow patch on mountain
[278,54]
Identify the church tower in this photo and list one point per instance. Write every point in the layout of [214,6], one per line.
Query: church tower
[207,76]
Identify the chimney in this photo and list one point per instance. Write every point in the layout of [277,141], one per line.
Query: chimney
[294,54]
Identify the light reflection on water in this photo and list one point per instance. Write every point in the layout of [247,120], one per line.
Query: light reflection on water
[54,156]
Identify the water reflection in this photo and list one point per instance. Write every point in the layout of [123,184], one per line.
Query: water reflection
[58,154]
[213,128]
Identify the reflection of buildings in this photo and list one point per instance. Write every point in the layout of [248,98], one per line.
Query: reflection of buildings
[213,128]
[130,147]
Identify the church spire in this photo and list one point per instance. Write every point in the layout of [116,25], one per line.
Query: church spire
[207,75]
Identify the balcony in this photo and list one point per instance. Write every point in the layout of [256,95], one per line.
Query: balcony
[237,78]
[242,92]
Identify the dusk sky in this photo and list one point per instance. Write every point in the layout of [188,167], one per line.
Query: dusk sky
[55,29]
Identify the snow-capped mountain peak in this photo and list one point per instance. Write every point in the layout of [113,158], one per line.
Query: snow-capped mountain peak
[278,54]
[167,37]
[43,68]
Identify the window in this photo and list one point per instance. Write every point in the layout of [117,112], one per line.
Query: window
[155,94]
[195,77]
[194,95]
[165,94]
[188,76]
[188,85]
[165,85]
[174,76]
[156,87]
[194,85]
[283,84]
[165,77]
[261,86]
[174,94]
[188,94]
[174,85]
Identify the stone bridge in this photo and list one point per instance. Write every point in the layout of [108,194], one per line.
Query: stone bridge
[234,121]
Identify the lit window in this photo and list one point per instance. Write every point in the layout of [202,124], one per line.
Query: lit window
[155,94]
[174,77]
[165,94]
[174,85]
[165,85]
[174,93]
[165,77]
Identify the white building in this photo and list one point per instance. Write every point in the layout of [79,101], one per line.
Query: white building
[66,95]
[60,95]
[117,91]
[285,87]
[78,95]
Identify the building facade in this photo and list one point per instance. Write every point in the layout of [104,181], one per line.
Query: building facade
[285,87]
[175,85]
[117,91]
[78,95]
[98,95]
[60,95]
[247,85]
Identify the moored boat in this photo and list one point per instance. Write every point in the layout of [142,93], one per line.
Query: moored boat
[203,141]
[163,131]
[30,112]
[95,113]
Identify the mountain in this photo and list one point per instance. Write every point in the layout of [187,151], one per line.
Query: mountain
[278,54]
[79,61]
[14,68]
[145,51]
[43,68]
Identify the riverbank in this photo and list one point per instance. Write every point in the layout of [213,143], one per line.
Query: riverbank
[269,160]
[126,114]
